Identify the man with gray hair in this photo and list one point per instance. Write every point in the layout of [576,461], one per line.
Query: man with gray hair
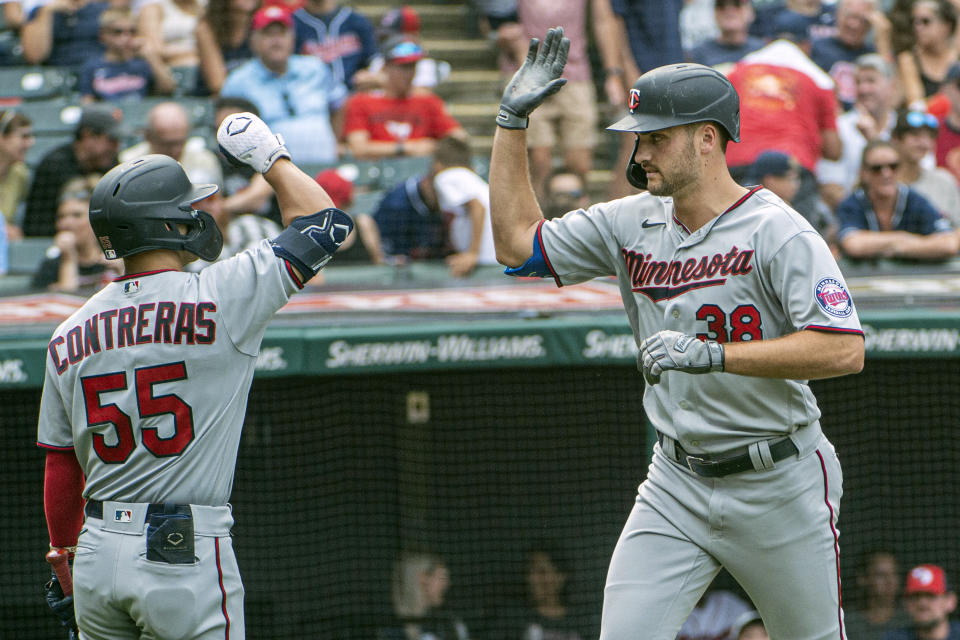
[872,117]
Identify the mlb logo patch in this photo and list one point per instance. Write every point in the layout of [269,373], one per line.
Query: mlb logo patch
[833,298]
[131,286]
[123,515]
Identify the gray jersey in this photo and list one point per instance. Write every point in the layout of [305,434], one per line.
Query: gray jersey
[757,271]
[148,381]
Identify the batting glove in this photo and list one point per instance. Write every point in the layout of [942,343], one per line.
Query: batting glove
[60,605]
[538,79]
[245,139]
[668,350]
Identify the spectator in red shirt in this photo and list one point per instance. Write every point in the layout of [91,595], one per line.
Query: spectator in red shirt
[397,120]
[948,137]
[786,103]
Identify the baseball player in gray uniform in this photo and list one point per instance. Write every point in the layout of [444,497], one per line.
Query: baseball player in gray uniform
[717,280]
[146,389]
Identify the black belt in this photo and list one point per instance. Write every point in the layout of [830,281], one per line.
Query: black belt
[717,466]
[94,509]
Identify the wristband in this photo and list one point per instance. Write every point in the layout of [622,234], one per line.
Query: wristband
[509,120]
[613,71]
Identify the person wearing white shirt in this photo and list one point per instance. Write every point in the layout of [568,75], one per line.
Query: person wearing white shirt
[464,200]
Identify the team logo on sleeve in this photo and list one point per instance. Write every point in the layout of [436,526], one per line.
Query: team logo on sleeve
[833,298]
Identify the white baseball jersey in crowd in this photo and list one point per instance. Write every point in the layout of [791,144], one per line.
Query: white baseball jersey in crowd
[757,271]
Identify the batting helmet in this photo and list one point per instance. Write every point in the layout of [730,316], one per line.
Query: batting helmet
[678,94]
[137,206]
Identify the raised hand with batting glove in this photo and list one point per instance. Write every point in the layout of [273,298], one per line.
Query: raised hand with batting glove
[535,81]
[666,350]
[245,139]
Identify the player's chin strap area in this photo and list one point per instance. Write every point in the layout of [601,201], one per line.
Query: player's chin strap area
[310,241]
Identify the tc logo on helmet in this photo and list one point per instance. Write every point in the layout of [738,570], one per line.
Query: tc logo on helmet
[634,100]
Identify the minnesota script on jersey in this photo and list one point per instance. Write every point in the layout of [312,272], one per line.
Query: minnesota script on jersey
[757,271]
[153,373]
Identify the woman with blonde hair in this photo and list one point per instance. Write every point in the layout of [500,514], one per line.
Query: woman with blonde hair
[420,583]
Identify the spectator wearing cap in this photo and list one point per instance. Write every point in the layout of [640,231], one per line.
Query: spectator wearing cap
[63,33]
[924,67]
[884,218]
[929,601]
[401,22]
[780,173]
[948,137]
[397,121]
[871,118]
[296,95]
[837,54]
[93,150]
[16,138]
[733,18]
[337,35]
[786,103]
[915,137]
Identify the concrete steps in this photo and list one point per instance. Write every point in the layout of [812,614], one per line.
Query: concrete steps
[473,89]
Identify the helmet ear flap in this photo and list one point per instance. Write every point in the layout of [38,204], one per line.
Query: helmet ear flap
[207,244]
[635,173]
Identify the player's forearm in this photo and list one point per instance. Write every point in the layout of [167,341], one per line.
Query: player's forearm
[804,355]
[62,497]
[514,211]
[250,198]
[297,193]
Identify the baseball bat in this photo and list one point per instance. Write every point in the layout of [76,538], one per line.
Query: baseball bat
[59,559]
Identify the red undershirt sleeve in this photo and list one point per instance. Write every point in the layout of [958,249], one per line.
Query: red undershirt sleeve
[63,497]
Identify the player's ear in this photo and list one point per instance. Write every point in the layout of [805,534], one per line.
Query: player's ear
[707,137]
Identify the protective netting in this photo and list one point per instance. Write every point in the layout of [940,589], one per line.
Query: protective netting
[337,476]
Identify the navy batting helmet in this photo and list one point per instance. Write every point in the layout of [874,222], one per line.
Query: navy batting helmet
[137,206]
[678,94]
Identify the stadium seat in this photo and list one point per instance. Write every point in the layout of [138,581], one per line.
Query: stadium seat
[200,111]
[25,255]
[35,82]
[394,170]
[53,116]
[366,202]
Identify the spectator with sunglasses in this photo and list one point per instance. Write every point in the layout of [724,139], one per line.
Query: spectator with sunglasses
[915,137]
[885,218]
[129,68]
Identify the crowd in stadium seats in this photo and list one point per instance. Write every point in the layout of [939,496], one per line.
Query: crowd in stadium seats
[850,111]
